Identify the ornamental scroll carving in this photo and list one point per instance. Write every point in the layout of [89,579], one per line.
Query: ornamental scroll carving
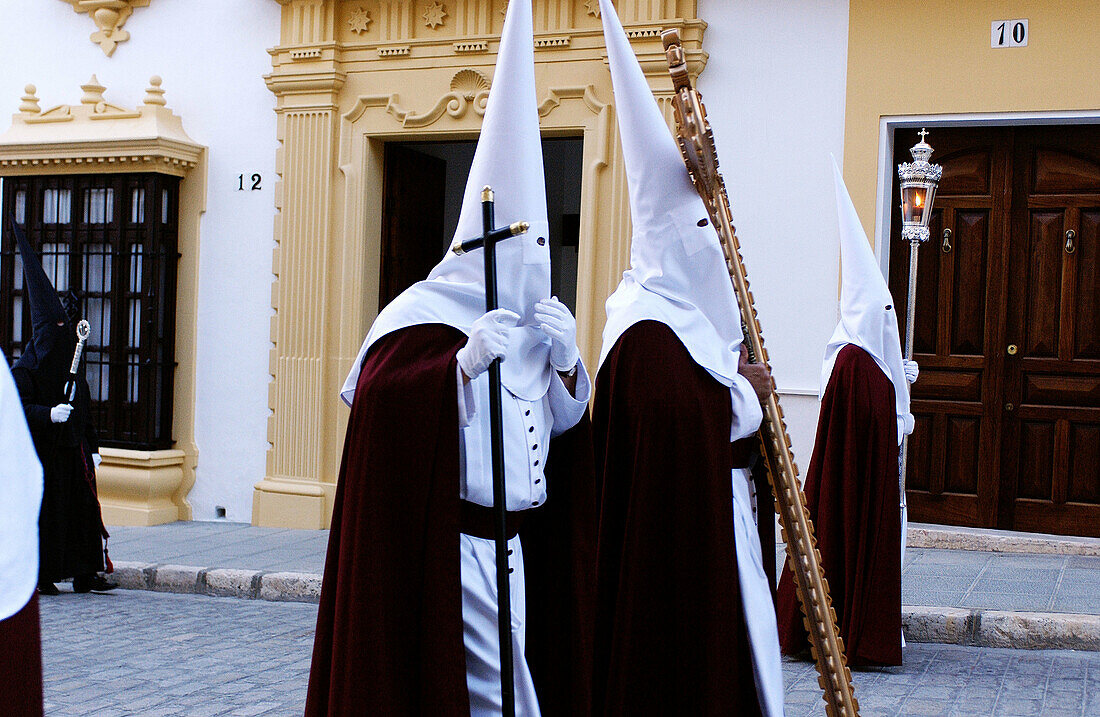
[469,89]
[109,17]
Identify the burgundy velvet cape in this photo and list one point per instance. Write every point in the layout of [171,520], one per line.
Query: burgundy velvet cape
[21,662]
[852,497]
[670,629]
[389,629]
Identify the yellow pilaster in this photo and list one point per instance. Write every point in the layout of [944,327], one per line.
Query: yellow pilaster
[302,429]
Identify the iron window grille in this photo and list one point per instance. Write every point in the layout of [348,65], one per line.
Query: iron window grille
[113,240]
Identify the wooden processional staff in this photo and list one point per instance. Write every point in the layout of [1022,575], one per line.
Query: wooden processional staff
[697,146]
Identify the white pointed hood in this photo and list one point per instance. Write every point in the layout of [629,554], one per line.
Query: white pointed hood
[677,272]
[867,317]
[509,159]
[20,500]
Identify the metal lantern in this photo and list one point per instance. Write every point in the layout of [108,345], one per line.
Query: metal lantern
[919,180]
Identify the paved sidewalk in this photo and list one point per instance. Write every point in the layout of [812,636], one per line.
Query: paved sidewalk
[963,597]
[155,655]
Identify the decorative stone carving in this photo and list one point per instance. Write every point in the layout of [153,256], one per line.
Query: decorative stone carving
[469,84]
[434,15]
[471,46]
[109,17]
[359,21]
[154,95]
[29,104]
[469,89]
[542,43]
[69,137]
[592,7]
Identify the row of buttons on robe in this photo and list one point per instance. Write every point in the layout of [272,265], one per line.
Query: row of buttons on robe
[534,447]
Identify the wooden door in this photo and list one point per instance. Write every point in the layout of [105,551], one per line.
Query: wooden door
[951,475]
[414,191]
[1007,440]
[1051,448]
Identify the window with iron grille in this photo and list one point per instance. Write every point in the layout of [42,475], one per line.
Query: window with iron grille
[112,240]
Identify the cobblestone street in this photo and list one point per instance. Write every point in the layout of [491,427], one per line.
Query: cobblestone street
[146,653]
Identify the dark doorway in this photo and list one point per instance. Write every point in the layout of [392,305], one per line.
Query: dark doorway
[1007,331]
[422,191]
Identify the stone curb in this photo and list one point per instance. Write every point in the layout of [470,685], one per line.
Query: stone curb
[943,538]
[219,582]
[944,625]
[999,628]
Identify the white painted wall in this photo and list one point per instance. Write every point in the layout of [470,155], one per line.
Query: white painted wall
[774,89]
[211,55]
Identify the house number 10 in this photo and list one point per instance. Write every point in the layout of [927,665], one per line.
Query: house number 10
[1008,33]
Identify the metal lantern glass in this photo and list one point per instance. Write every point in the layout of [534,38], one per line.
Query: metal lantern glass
[919,180]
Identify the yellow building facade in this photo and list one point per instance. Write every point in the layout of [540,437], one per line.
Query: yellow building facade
[351,76]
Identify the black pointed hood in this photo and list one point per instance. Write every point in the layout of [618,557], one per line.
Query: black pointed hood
[45,306]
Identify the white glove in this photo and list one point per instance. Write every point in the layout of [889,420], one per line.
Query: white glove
[911,370]
[97,459]
[60,413]
[557,323]
[488,339]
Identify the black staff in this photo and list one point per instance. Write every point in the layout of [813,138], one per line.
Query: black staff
[488,240]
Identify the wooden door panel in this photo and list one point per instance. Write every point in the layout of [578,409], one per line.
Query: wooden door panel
[971,238]
[1084,451]
[1067,519]
[966,171]
[1041,267]
[920,453]
[962,454]
[1086,329]
[1060,171]
[927,322]
[1036,459]
[1061,389]
[948,385]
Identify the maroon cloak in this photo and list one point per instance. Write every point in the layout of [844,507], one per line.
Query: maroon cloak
[852,497]
[670,630]
[389,629]
[21,662]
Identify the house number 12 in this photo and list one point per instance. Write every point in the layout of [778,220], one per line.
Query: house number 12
[241,182]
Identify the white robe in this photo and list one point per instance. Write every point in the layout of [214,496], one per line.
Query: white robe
[20,500]
[756,595]
[528,427]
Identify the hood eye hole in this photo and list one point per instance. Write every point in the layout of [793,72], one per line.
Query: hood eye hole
[889,306]
[701,223]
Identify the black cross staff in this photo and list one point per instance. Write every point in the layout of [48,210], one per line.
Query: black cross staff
[488,239]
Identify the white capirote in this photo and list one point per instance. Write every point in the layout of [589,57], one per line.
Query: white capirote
[20,500]
[508,158]
[867,316]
